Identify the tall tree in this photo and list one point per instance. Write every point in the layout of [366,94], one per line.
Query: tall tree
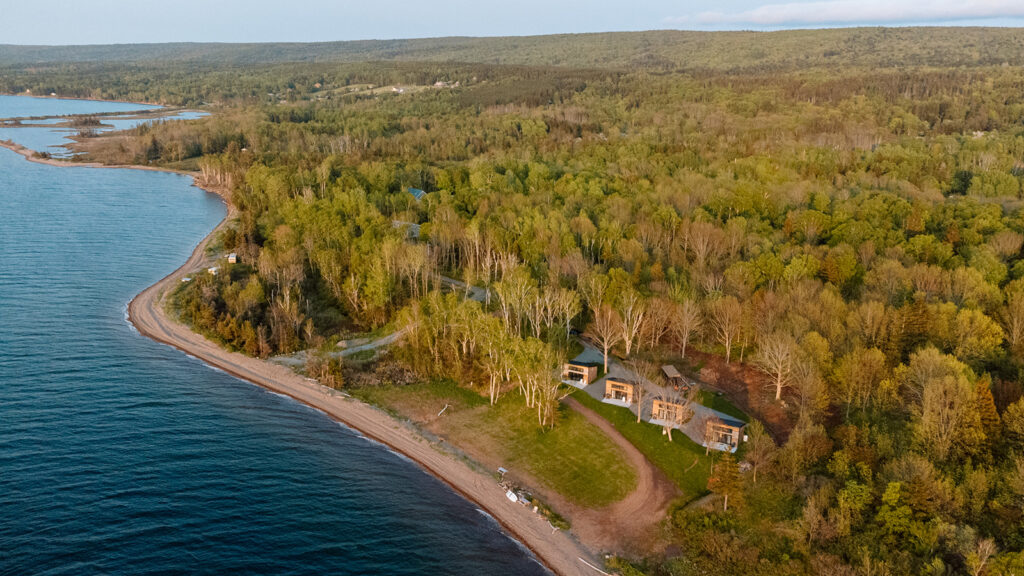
[775,357]
[990,423]
[685,323]
[633,312]
[727,320]
[726,480]
[761,448]
[605,330]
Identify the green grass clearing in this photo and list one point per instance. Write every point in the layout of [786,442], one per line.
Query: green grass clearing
[575,459]
[675,458]
[721,403]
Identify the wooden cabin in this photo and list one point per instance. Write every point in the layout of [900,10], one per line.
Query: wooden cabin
[579,374]
[724,434]
[618,390]
[671,412]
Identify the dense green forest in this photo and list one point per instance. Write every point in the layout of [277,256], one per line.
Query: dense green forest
[851,233]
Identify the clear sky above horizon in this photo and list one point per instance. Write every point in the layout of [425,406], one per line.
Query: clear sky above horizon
[133,21]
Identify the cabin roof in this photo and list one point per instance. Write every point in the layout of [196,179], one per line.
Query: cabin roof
[417,193]
[732,422]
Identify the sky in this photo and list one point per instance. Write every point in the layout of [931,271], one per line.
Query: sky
[124,21]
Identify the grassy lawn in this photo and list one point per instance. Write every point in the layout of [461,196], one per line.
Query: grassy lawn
[675,458]
[721,403]
[575,459]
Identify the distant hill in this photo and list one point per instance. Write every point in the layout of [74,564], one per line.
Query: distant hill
[656,50]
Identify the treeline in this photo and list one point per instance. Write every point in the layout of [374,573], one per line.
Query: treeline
[664,50]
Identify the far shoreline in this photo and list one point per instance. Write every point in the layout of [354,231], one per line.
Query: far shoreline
[557,551]
[81,98]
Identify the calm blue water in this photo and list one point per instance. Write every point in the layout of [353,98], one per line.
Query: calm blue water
[53,140]
[22,106]
[126,123]
[49,140]
[122,456]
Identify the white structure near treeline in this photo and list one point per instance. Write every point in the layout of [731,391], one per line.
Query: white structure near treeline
[212,270]
[232,258]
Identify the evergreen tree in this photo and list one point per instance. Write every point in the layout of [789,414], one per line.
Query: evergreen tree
[726,480]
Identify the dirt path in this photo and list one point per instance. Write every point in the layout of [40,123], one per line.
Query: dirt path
[632,523]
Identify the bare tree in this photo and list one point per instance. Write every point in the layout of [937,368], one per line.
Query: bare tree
[686,321]
[704,240]
[775,357]
[978,560]
[568,308]
[659,321]
[727,321]
[633,310]
[605,330]
[645,373]
[1013,320]
[592,288]
[1006,243]
[514,297]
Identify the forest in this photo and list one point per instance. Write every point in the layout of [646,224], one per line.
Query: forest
[847,239]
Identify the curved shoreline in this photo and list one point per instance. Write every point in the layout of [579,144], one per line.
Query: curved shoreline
[555,549]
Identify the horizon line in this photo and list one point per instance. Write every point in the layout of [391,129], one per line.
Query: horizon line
[761,30]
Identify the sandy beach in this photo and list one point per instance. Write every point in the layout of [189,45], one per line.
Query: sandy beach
[556,549]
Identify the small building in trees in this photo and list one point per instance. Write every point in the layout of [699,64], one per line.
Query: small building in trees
[723,434]
[673,377]
[417,194]
[412,230]
[232,258]
[618,392]
[579,374]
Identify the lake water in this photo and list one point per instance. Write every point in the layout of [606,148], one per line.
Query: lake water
[119,455]
[54,140]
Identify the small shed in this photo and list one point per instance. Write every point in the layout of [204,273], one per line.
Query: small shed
[212,270]
[673,377]
[417,193]
[232,258]
[617,391]
[579,374]
[724,434]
